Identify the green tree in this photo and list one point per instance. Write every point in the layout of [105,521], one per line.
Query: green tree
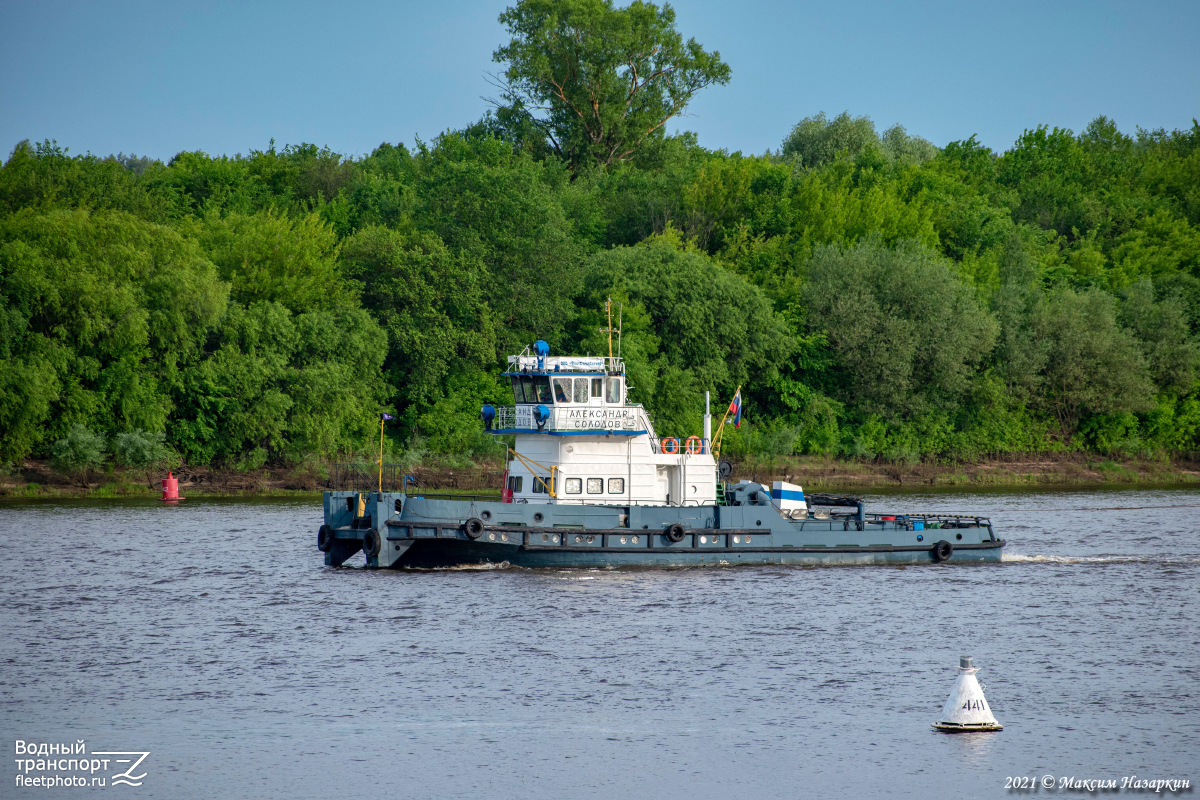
[280,387]
[600,81]
[693,326]
[268,257]
[81,451]
[902,148]
[817,140]
[1161,328]
[141,450]
[138,448]
[430,302]
[44,176]
[501,208]
[102,310]
[906,334]
[1092,365]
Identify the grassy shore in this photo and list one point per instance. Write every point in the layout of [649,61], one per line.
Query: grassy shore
[36,479]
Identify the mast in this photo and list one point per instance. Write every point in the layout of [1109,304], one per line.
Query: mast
[610,330]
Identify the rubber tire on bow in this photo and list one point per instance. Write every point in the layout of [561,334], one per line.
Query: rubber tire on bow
[473,528]
[325,537]
[675,533]
[942,551]
[371,543]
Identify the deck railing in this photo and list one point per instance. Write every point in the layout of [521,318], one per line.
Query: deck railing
[365,477]
[569,418]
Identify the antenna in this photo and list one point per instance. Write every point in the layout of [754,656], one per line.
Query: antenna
[620,318]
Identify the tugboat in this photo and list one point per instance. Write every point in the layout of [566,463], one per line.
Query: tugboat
[590,484]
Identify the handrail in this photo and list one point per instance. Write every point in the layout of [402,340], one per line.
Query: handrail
[353,476]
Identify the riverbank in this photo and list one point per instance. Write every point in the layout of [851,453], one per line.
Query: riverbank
[38,479]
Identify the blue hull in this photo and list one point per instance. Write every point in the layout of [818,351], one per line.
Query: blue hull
[392,530]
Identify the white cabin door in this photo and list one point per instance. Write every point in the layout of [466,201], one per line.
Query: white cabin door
[596,392]
[662,487]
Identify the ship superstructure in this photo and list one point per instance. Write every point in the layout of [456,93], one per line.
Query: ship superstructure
[579,440]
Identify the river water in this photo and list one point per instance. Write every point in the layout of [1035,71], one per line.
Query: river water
[211,635]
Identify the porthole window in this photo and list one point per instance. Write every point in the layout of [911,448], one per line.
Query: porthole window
[573,486]
[595,485]
[486,515]
[616,486]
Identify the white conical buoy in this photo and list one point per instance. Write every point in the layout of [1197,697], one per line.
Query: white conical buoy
[966,709]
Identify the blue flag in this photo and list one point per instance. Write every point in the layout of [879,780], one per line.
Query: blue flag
[388,416]
[735,408]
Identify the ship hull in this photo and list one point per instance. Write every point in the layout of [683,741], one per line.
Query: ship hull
[440,554]
[389,530]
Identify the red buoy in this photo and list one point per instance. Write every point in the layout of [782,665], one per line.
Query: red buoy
[170,487]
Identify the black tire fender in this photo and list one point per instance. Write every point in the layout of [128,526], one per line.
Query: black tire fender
[325,538]
[371,543]
[473,528]
[675,533]
[942,551]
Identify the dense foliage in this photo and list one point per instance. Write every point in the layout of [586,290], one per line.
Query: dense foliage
[875,295]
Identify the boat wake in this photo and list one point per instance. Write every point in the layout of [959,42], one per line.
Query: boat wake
[1165,560]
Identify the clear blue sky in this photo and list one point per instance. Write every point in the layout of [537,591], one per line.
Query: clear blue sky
[156,78]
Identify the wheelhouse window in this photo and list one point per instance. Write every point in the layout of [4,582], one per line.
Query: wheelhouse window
[616,486]
[523,389]
[562,390]
[573,486]
[613,395]
[597,387]
[581,390]
[531,389]
[595,485]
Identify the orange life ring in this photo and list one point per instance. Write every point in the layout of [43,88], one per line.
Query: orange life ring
[694,445]
[669,445]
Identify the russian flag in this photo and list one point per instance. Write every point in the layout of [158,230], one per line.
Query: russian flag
[735,408]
